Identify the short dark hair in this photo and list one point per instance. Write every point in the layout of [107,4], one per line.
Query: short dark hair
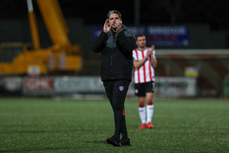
[114,12]
[140,35]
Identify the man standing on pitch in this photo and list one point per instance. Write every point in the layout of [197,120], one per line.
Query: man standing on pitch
[144,63]
[116,43]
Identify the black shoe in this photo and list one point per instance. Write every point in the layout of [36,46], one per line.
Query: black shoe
[114,141]
[125,142]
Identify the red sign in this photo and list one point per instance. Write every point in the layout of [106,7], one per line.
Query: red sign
[38,84]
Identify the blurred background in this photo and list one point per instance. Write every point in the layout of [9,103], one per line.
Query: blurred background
[45,46]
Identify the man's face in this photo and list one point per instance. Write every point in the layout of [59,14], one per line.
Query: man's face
[113,17]
[141,42]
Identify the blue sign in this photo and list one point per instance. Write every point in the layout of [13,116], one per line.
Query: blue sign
[159,35]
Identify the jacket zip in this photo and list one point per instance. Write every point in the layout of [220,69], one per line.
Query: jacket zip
[112,55]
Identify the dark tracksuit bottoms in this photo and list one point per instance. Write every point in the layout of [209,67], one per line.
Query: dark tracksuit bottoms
[116,91]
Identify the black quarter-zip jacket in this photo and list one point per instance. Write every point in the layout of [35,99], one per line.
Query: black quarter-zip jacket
[116,49]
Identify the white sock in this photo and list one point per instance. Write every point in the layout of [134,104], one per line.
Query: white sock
[142,113]
[149,112]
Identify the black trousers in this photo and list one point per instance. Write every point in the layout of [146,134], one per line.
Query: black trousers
[116,91]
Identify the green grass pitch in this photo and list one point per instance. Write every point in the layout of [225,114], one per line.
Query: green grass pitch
[79,126]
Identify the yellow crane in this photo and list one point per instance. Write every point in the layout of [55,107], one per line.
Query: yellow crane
[62,56]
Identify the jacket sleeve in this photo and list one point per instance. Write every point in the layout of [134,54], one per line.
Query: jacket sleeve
[99,44]
[126,44]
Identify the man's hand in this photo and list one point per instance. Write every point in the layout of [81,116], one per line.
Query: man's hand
[153,60]
[118,25]
[152,47]
[106,27]
[149,52]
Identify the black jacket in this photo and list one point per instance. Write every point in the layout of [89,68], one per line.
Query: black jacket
[116,51]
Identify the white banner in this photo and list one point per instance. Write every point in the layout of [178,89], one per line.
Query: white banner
[165,87]
[175,87]
[78,85]
[12,83]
